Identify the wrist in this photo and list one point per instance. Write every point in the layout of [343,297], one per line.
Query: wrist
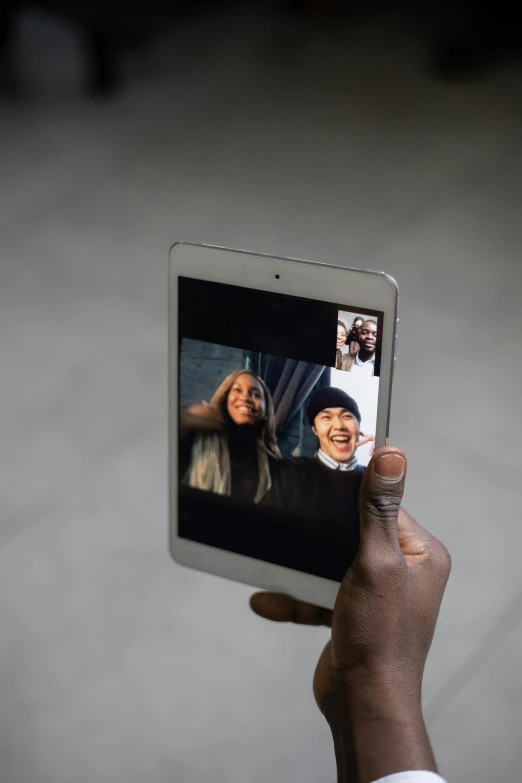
[377,691]
[378,729]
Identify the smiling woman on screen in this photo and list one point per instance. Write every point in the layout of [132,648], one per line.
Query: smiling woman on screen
[228,444]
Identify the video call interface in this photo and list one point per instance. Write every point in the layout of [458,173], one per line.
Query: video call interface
[278,413]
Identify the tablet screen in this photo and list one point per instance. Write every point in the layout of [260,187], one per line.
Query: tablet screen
[278,405]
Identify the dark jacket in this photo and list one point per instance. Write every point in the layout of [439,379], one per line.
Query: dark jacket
[348,361]
[324,501]
[306,486]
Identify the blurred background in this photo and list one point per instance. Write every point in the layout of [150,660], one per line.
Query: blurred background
[383,136]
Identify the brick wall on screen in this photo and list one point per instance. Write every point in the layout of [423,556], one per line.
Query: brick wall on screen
[202,368]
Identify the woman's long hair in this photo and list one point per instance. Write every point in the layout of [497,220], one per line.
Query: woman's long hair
[209,467]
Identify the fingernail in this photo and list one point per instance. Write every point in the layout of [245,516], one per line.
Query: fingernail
[390,467]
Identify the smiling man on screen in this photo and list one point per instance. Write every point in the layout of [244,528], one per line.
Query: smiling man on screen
[326,487]
[335,420]
[363,360]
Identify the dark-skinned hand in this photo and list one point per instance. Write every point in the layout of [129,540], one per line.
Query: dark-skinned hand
[388,603]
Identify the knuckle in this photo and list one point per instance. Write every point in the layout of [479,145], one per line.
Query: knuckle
[385,504]
[441,555]
[445,558]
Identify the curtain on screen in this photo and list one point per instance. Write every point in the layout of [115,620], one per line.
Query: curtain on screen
[291,382]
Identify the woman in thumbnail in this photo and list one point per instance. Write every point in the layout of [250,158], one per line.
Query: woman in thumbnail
[342,335]
[229,444]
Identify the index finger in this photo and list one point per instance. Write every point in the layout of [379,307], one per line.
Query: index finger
[282,608]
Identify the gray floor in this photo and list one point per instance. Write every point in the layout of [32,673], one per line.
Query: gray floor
[117,664]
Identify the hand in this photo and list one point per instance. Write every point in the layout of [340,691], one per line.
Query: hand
[365,439]
[203,417]
[384,616]
[388,603]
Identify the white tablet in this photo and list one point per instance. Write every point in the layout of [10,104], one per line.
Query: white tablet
[280,386]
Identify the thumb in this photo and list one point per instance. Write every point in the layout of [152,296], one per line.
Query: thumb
[380,499]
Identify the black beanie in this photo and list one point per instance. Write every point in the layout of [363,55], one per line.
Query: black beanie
[330,397]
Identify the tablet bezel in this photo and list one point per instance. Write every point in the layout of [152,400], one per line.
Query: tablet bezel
[294,277]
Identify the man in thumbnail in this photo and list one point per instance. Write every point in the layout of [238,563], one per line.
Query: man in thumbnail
[363,361]
[352,341]
[326,487]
